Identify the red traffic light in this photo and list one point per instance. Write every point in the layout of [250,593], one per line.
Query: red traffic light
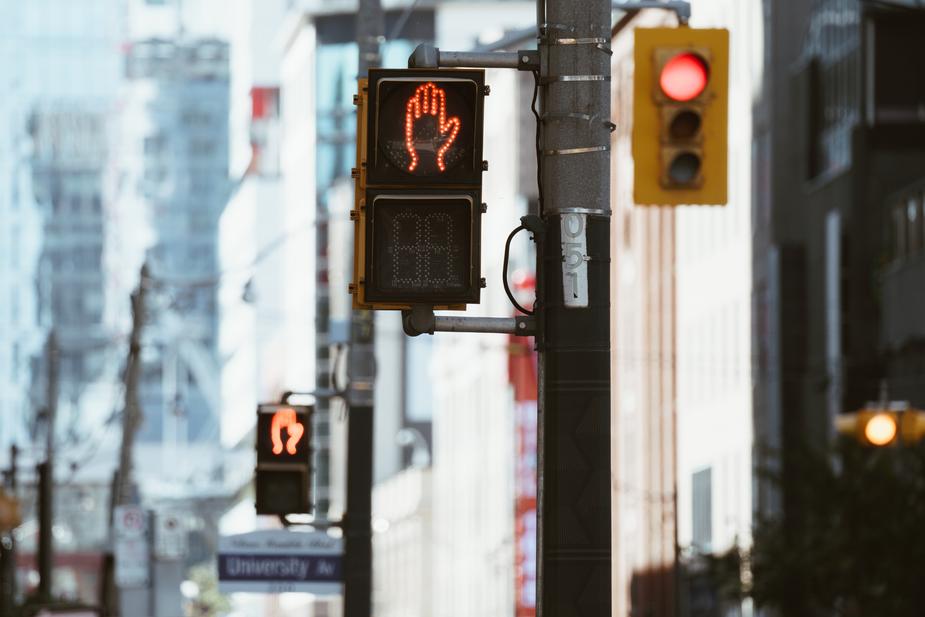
[684,77]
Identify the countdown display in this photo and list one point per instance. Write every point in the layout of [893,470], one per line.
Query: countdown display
[426,127]
[421,248]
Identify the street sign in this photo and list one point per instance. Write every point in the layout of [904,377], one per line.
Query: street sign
[280,561]
[170,536]
[130,546]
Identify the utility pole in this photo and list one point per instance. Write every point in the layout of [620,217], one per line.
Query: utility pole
[123,490]
[46,474]
[358,549]
[574,493]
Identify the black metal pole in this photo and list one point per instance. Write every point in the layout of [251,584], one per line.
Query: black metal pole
[575,498]
[8,549]
[46,474]
[358,545]
[45,535]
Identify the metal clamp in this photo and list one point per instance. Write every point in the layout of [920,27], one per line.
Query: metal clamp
[588,211]
[577,150]
[599,42]
[555,78]
[573,115]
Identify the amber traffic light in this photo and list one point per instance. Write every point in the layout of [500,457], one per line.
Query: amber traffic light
[283,473]
[680,113]
[418,194]
[880,426]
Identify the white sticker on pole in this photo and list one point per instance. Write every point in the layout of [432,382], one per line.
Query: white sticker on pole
[575,260]
[130,546]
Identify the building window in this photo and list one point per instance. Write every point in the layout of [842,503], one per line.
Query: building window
[702,511]
[898,71]
[154,144]
[202,147]
[914,225]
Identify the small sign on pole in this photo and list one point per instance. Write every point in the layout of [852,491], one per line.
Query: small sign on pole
[130,546]
[281,561]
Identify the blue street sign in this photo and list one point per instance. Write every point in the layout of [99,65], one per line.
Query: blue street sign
[279,561]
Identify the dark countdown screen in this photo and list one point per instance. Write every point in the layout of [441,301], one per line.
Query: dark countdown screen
[422,246]
[425,128]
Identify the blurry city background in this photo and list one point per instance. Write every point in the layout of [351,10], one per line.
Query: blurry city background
[214,139]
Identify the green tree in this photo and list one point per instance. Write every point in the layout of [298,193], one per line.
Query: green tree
[209,602]
[851,541]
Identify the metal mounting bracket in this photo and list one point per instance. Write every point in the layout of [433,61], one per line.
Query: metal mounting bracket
[427,56]
[681,8]
[421,320]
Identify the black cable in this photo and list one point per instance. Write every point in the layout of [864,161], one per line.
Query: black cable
[539,154]
[507,289]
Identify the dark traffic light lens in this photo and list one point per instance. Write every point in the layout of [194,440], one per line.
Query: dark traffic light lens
[421,247]
[281,491]
[426,128]
[684,168]
[685,124]
[684,77]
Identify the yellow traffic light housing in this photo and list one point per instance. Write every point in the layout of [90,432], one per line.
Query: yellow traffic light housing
[912,426]
[883,427]
[680,116]
[10,512]
[418,207]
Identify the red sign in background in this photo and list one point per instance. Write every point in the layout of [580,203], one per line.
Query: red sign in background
[523,376]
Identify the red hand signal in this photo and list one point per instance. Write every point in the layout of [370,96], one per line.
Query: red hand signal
[429,99]
[285,418]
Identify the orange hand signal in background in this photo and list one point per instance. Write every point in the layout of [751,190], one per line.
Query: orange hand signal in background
[429,99]
[285,418]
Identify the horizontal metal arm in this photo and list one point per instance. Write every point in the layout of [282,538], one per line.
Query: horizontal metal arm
[523,326]
[421,320]
[681,8]
[429,57]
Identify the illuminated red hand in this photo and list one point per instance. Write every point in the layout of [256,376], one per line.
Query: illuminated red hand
[429,99]
[285,418]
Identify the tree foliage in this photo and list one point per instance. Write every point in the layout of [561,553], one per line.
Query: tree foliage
[210,602]
[850,542]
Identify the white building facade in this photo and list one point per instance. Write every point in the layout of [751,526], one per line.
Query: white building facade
[714,287]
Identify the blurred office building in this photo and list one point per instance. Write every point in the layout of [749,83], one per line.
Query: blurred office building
[839,211]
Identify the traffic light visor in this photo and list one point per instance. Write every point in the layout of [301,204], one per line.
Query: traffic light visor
[881,429]
[684,77]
